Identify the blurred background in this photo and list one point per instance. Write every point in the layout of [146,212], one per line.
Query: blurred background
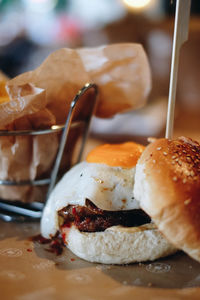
[32,29]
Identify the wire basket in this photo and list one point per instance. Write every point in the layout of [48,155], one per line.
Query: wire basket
[18,211]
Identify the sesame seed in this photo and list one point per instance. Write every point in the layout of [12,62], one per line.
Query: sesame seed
[165,153]
[184,151]
[192,173]
[186,202]
[154,161]
[159,148]
[180,163]
[193,150]
[184,180]
[188,159]
[174,178]
[173,162]
[174,156]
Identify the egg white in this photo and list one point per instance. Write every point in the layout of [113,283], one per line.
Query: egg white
[109,188]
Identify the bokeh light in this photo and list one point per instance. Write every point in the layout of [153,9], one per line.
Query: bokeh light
[138,4]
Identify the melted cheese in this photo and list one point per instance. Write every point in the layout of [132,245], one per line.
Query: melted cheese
[123,155]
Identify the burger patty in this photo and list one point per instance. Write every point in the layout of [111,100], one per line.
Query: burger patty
[90,218]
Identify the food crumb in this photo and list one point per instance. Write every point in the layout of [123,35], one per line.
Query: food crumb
[72,259]
[29,250]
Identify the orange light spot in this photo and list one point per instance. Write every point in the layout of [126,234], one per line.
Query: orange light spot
[3,93]
[123,155]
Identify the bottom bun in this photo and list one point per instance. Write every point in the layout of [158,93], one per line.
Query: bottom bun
[118,245]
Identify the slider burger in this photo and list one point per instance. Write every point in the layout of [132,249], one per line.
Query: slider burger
[167,186]
[94,210]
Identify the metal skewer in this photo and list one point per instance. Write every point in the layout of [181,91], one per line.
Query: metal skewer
[180,37]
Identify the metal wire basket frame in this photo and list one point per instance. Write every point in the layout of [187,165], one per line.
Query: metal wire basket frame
[17,211]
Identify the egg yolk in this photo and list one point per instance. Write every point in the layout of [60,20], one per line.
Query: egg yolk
[123,155]
[3,93]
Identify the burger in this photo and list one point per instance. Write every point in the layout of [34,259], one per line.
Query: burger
[95,212]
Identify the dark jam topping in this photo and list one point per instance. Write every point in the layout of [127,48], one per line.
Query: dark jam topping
[90,218]
[40,239]
[55,244]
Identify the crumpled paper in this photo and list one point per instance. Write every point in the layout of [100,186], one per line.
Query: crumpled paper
[41,98]
[121,72]
[25,99]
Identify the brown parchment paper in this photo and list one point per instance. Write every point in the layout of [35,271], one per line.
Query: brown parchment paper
[41,98]
[121,72]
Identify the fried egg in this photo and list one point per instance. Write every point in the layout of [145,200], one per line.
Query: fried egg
[106,178]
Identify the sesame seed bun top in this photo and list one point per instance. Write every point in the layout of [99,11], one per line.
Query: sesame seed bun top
[167,185]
